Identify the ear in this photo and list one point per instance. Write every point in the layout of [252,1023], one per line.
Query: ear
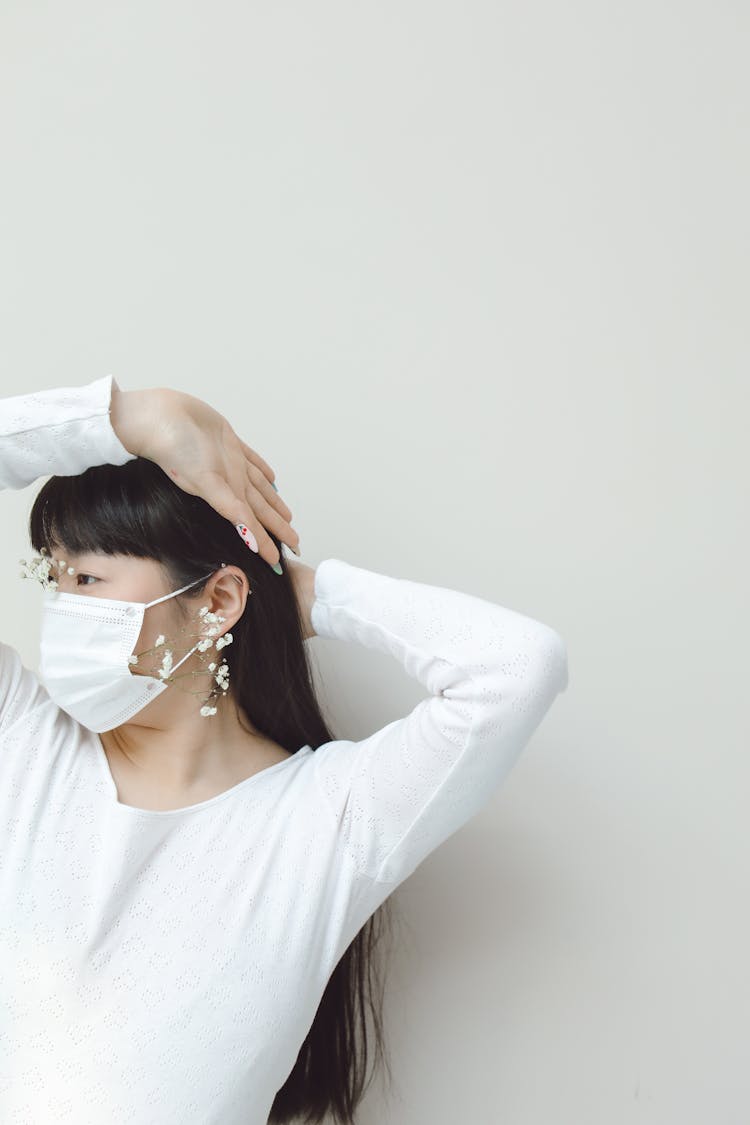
[226,593]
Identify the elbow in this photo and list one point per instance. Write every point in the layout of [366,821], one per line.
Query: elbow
[555,656]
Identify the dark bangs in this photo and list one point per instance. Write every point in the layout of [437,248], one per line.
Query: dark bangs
[132,509]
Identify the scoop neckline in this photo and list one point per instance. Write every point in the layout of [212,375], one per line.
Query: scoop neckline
[135,810]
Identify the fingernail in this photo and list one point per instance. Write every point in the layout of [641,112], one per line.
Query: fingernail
[273,486]
[297,551]
[277,568]
[248,536]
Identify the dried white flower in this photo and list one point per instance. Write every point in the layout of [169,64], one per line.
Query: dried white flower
[211,623]
[39,568]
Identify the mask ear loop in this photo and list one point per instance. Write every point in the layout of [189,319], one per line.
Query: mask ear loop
[235,576]
[173,594]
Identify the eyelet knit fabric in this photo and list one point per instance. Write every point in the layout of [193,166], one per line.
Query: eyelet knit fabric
[163,967]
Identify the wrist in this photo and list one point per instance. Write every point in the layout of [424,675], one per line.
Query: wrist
[131,414]
[303,577]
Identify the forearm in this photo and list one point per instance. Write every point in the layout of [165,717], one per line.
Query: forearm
[61,431]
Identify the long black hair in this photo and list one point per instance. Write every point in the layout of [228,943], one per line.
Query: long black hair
[135,509]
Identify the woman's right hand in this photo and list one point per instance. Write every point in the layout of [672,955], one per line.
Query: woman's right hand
[199,450]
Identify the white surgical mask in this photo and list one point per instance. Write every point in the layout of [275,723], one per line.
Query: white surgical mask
[85,648]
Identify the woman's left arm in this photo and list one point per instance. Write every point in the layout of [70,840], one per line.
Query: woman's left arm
[493,673]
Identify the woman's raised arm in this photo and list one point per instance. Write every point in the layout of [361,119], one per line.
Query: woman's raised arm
[493,673]
[62,432]
[201,452]
[65,430]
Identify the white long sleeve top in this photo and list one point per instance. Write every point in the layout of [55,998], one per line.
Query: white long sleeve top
[164,967]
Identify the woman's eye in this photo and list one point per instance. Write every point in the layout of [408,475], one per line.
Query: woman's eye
[85,576]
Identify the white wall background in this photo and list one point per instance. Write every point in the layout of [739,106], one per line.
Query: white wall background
[474,279]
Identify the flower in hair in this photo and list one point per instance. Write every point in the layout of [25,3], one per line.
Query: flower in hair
[42,567]
[39,568]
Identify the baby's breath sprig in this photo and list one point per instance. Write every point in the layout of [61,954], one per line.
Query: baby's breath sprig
[220,675]
[41,567]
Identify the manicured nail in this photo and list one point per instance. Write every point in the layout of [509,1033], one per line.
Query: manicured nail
[248,536]
[277,568]
[273,486]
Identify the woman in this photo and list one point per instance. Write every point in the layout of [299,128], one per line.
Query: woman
[190,864]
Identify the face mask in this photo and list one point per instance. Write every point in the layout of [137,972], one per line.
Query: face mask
[85,649]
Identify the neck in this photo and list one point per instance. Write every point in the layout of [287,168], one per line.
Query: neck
[190,752]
